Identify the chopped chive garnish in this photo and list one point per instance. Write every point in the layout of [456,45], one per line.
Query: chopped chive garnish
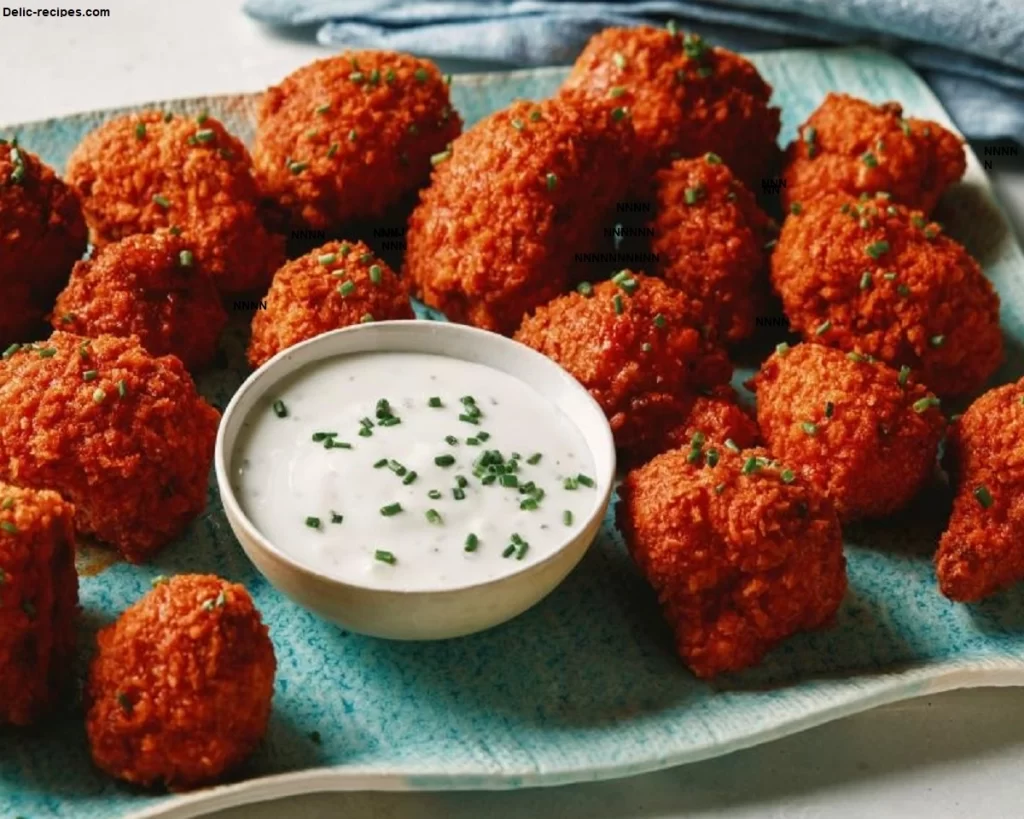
[90,375]
[345,288]
[375,274]
[435,402]
[567,517]
[876,249]
[336,518]
[420,74]
[366,318]
[523,546]
[469,419]
[937,341]
[509,550]
[570,484]
[618,114]
[397,468]
[782,348]
[787,476]
[795,208]
[185,258]
[444,460]
[381,463]
[659,321]
[161,200]
[534,459]
[472,541]
[551,180]
[11,351]
[459,494]
[391,509]
[99,395]
[530,504]
[9,527]
[585,289]
[451,440]
[904,375]
[809,427]
[206,135]
[983,496]
[719,488]
[385,557]
[332,150]
[869,159]
[823,328]
[730,444]
[313,523]
[855,357]
[926,403]
[508,480]
[48,352]
[619,59]
[122,388]
[865,280]
[438,158]
[750,465]
[830,408]
[433,516]
[483,436]
[409,478]
[712,457]
[693,195]
[327,259]
[434,494]
[473,441]
[617,304]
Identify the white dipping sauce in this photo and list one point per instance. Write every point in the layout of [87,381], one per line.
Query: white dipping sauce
[294,489]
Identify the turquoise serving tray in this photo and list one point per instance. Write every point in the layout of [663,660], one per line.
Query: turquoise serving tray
[584,686]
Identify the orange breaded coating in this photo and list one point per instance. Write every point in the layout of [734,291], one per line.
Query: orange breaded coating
[850,146]
[856,430]
[685,97]
[524,190]
[349,136]
[180,688]
[143,172]
[147,285]
[42,234]
[741,552]
[123,436]
[982,550]
[709,238]
[38,602]
[876,278]
[334,286]
[636,344]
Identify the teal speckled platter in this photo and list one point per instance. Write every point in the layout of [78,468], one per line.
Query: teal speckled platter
[585,686]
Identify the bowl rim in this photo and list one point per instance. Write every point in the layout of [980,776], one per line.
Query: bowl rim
[233,509]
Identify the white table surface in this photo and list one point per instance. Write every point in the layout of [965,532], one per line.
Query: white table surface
[955,755]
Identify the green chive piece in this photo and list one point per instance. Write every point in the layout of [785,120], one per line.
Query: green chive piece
[619,60]
[469,419]
[509,550]
[645,347]
[381,463]
[585,289]
[926,403]
[823,328]
[385,557]
[795,208]
[521,550]
[297,167]
[618,114]
[937,341]
[712,159]
[438,158]
[99,395]
[518,124]
[322,109]
[9,527]
[161,200]
[719,488]
[712,458]
[451,440]
[876,249]
[865,280]
[693,195]
[391,509]
[327,259]
[869,159]
[90,375]
[530,504]
[830,409]
[659,321]
[586,481]
[122,388]
[534,459]
[140,130]
[376,273]
[535,115]
[508,480]
[617,304]
[983,496]
[409,478]
[336,518]
[185,258]
[904,375]
[420,74]
[48,352]
[444,460]
[435,402]
[313,523]
[730,444]
[433,516]
[782,348]
[434,494]
[750,465]
[472,541]
[332,150]
[905,127]
[809,428]
[206,135]
[616,91]
[366,318]
[11,351]
[857,358]
[787,476]
[345,288]
[357,77]
[570,484]
[551,180]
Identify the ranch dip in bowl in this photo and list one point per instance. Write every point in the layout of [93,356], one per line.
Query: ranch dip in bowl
[413,479]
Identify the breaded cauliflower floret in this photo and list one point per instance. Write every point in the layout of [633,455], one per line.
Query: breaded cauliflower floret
[123,436]
[685,97]
[334,286]
[982,549]
[709,239]
[850,146]
[637,345]
[151,286]
[180,688]
[350,136]
[524,192]
[143,172]
[869,276]
[741,552]
[38,603]
[858,431]
[42,234]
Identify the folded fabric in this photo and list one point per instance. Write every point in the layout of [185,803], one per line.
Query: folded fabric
[970,51]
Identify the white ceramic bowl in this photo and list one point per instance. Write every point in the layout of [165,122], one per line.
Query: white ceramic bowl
[420,615]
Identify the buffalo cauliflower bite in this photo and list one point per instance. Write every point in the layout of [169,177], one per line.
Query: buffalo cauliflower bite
[42,234]
[982,549]
[123,436]
[522,194]
[143,172]
[637,345]
[38,602]
[869,276]
[180,688]
[850,146]
[337,285]
[741,552]
[709,240]
[151,286]
[856,430]
[684,96]
[350,136]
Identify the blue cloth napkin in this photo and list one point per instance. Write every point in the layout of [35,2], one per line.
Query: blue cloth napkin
[970,51]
